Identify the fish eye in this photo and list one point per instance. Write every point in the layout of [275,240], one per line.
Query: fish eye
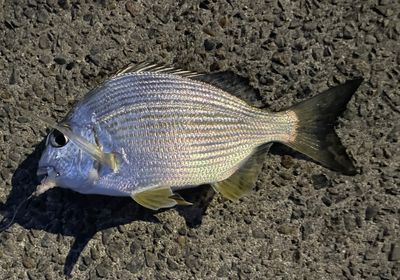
[58,139]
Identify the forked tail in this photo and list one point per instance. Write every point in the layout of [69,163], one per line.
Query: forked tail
[315,135]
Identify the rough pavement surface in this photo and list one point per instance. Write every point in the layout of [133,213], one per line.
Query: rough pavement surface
[302,221]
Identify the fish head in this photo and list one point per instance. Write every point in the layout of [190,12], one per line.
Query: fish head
[64,164]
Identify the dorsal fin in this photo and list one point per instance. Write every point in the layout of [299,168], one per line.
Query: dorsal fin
[232,83]
[225,80]
[156,68]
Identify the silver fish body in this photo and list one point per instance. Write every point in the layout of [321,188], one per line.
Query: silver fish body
[173,131]
[146,134]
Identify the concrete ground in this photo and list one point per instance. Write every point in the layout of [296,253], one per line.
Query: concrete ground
[302,221]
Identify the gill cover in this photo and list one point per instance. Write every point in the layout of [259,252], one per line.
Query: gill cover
[108,159]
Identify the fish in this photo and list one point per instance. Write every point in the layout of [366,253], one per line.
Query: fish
[152,130]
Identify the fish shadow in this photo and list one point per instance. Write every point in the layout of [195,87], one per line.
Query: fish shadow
[61,211]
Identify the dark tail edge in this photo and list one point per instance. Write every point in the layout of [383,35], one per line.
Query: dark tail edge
[315,135]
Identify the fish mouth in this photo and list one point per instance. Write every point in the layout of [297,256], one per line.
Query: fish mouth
[47,175]
[47,171]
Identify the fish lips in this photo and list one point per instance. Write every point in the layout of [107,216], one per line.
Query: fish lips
[46,171]
[47,175]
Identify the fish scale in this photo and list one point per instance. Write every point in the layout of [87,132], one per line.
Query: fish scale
[179,91]
[175,137]
[149,131]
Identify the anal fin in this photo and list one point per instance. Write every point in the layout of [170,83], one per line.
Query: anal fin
[160,197]
[243,180]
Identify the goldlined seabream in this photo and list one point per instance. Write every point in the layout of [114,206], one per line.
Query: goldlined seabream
[152,130]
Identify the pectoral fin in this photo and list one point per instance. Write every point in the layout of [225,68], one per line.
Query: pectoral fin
[243,180]
[160,197]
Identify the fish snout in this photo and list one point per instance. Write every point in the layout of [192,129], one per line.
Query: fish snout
[48,171]
[47,175]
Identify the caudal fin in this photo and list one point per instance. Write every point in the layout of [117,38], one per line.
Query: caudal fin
[315,135]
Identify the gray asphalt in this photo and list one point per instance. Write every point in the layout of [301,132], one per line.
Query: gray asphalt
[302,221]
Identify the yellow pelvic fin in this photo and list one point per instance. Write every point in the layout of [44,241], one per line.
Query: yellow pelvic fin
[160,197]
[180,200]
[243,180]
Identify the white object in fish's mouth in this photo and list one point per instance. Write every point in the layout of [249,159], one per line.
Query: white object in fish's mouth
[48,181]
